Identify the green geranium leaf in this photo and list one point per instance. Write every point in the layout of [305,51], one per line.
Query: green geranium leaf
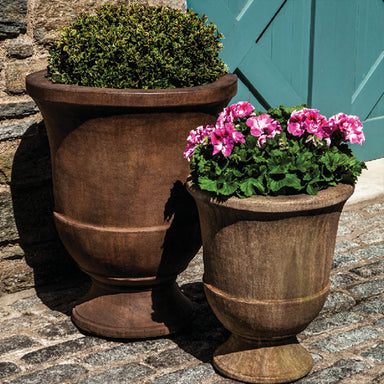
[289,180]
[227,189]
[252,186]
[207,184]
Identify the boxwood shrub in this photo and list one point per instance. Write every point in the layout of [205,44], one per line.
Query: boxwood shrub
[137,47]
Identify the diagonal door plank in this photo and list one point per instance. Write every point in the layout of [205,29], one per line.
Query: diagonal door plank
[245,31]
[268,80]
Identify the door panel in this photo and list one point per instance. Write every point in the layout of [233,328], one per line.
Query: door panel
[325,53]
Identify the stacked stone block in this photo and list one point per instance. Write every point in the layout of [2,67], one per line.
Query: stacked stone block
[30,252]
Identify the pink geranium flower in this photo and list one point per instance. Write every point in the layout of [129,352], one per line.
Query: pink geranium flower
[263,127]
[349,125]
[234,112]
[241,109]
[223,139]
[197,136]
[310,121]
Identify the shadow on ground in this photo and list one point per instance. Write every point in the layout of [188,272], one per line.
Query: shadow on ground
[205,333]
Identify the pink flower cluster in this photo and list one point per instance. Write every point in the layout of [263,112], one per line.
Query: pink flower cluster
[350,126]
[233,112]
[263,127]
[310,121]
[223,139]
[197,136]
[224,134]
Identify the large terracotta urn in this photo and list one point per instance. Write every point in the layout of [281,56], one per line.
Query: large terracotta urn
[267,262]
[121,207]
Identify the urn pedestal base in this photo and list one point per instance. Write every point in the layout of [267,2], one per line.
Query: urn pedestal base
[133,313]
[261,361]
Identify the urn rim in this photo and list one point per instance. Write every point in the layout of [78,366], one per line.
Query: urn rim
[40,88]
[328,197]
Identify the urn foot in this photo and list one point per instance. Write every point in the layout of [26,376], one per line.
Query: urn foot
[137,313]
[261,361]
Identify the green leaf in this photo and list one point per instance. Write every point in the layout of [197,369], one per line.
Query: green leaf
[252,186]
[227,189]
[207,184]
[312,189]
[289,180]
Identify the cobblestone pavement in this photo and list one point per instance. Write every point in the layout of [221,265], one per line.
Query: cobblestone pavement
[40,345]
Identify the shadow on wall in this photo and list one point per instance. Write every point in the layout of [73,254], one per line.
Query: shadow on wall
[32,196]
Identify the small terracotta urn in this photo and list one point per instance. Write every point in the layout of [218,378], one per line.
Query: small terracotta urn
[267,263]
[121,207]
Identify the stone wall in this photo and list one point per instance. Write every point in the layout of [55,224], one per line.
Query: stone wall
[30,251]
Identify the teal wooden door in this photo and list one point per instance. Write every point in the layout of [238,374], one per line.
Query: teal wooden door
[328,54]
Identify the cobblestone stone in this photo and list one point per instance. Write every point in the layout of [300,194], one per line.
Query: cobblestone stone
[342,230]
[350,216]
[341,279]
[369,289]
[129,373]
[380,323]
[376,235]
[170,357]
[15,342]
[341,260]
[52,375]
[376,353]
[222,380]
[341,341]
[345,245]
[340,370]
[371,307]
[125,350]
[24,321]
[370,270]
[374,208]
[316,357]
[378,380]
[338,302]
[372,221]
[26,303]
[327,324]
[8,369]
[370,252]
[187,376]
[54,352]
[58,330]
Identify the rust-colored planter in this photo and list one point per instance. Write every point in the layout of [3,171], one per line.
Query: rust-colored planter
[121,208]
[267,262]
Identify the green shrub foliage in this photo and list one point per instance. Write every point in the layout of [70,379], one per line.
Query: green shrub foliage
[137,47]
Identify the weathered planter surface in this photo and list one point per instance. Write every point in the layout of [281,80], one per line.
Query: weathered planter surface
[121,208]
[267,263]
